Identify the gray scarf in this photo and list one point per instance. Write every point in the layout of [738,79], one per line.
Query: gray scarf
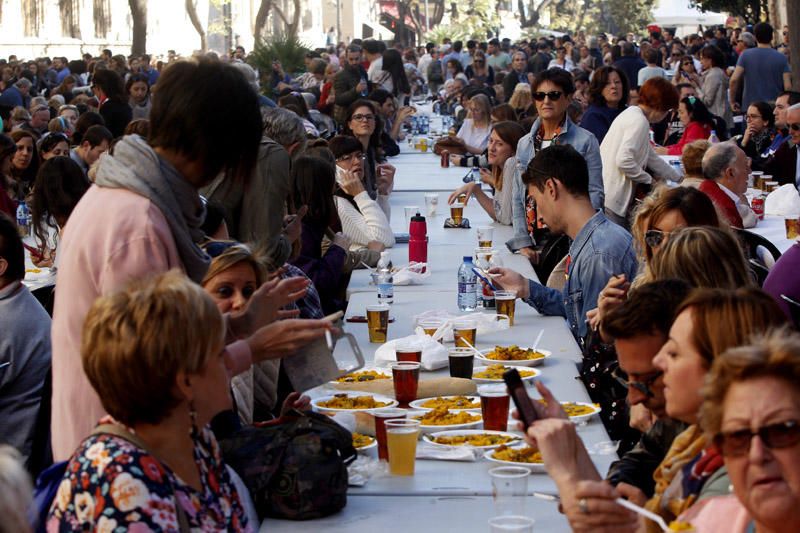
[137,168]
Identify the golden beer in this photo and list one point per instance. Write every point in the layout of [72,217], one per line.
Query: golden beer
[457,213]
[401,437]
[791,227]
[506,301]
[464,331]
[378,322]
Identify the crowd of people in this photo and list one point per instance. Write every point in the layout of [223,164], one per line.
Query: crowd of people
[201,231]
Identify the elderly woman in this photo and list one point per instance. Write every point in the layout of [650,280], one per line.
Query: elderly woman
[502,149]
[626,152]
[161,384]
[708,323]
[753,391]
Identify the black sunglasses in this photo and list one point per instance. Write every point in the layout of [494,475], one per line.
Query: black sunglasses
[774,436]
[217,248]
[653,237]
[642,386]
[552,95]
[794,126]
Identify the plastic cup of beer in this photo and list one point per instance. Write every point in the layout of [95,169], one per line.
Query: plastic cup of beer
[381,416]
[431,203]
[752,179]
[464,330]
[457,212]
[378,322]
[401,437]
[494,407]
[762,181]
[484,253]
[430,327]
[408,351]
[485,234]
[506,303]
[423,144]
[461,362]
[405,375]
[791,226]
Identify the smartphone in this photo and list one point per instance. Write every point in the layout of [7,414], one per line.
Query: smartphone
[483,276]
[520,396]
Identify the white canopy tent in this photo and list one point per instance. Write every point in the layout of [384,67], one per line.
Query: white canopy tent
[677,14]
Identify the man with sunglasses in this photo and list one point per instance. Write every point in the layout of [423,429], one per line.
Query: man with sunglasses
[785,165]
[640,327]
[552,93]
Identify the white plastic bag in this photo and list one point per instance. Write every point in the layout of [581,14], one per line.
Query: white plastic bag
[434,355]
[412,274]
[783,201]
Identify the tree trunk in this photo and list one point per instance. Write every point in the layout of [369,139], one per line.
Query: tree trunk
[438,13]
[139,17]
[400,30]
[291,27]
[793,21]
[261,19]
[191,10]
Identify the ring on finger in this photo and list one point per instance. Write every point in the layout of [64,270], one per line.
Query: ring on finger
[583,506]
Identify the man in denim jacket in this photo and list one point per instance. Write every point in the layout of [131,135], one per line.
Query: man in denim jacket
[553,127]
[558,180]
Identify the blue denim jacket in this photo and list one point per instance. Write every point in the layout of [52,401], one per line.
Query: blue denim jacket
[600,250]
[585,143]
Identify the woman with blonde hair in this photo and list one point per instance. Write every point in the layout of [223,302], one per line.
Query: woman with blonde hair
[692,159]
[521,99]
[474,132]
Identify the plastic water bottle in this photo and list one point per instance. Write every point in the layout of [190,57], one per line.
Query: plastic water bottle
[23,219]
[713,139]
[385,279]
[365,91]
[467,286]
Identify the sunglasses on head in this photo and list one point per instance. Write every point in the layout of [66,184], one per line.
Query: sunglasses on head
[552,95]
[774,436]
[217,248]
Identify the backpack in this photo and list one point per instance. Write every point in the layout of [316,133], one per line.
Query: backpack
[294,466]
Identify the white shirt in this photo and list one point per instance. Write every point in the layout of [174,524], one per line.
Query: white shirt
[375,69]
[626,152]
[568,65]
[367,223]
[473,136]
[423,64]
[749,218]
[732,195]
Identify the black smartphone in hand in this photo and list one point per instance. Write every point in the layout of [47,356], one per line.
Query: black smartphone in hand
[522,401]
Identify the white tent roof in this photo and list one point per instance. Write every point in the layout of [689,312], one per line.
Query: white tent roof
[678,13]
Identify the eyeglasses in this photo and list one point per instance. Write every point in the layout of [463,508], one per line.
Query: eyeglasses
[552,95]
[774,436]
[653,237]
[641,385]
[350,157]
[795,126]
[363,118]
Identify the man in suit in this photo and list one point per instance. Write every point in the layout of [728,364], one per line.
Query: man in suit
[783,166]
[725,168]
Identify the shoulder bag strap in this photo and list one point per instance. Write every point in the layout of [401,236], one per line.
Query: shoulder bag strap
[119,431]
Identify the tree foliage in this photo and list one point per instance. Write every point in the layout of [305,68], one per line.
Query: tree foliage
[593,16]
[472,21]
[289,50]
[751,11]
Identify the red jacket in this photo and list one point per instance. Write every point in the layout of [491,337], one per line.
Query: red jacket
[722,201]
[694,131]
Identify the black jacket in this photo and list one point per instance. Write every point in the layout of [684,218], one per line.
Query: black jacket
[637,466]
[117,116]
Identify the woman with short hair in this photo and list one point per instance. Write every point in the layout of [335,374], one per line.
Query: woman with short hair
[154,462]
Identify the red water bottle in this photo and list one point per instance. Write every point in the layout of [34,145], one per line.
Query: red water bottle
[418,240]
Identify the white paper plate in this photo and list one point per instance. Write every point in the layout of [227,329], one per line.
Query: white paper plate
[429,438]
[580,418]
[417,404]
[527,362]
[479,369]
[378,398]
[535,468]
[386,372]
[369,446]
[435,429]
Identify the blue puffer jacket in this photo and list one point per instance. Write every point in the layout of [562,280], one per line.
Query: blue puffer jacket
[585,143]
